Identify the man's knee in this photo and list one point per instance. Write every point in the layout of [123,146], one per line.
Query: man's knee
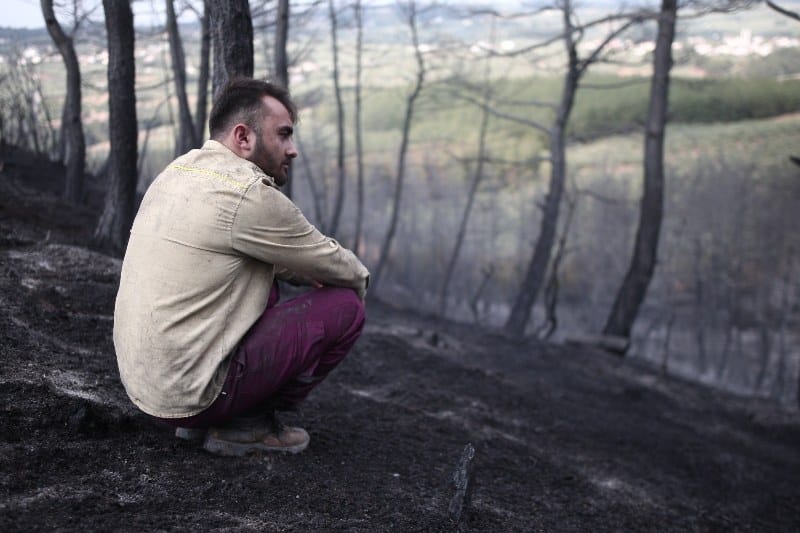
[349,306]
[340,309]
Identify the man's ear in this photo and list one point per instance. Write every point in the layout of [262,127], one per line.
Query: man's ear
[241,136]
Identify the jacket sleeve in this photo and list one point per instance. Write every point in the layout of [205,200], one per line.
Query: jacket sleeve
[269,227]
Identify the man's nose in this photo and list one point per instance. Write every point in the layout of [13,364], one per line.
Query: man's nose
[292,150]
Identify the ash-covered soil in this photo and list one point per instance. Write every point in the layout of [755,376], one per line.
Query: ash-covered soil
[566,438]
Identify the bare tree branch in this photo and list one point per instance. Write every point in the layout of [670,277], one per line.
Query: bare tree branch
[410,14]
[584,64]
[580,29]
[506,116]
[783,10]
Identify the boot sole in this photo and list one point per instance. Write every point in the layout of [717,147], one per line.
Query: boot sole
[238,449]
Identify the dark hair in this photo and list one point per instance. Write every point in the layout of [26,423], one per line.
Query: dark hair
[240,101]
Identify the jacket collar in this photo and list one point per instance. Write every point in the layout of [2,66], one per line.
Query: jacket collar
[216,146]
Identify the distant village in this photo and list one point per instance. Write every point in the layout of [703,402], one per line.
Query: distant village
[742,44]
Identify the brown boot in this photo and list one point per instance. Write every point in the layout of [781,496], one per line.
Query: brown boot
[244,435]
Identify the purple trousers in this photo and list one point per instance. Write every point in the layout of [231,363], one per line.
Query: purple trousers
[286,353]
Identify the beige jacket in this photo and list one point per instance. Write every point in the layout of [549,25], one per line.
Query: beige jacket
[207,241]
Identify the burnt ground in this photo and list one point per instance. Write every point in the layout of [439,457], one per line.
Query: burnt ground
[566,438]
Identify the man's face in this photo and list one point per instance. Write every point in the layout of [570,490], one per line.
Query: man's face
[274,148]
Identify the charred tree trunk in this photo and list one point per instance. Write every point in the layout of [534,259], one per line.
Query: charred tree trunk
[232,41]
[529,291]
[785,313]
[148,128]
[576,68]
[537,268]
[475,301]
[316,196]
[165,68]
[337,91]
[700,310]
[202,75]
[796,16]
[477,177]
[764,355]
[115,222]
[186,132]
[281,39]
[72,137]
[282,63]
[358,129]
[550,324]
[401,157]
[640,272]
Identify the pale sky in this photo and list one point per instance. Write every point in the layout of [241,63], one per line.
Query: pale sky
[28,13]
[21,14]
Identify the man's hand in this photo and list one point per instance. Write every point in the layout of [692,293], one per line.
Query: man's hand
[294,278]
[300,279]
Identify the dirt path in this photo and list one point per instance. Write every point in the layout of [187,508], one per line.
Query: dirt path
[565,439]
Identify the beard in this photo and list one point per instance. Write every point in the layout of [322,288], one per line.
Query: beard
[271,164]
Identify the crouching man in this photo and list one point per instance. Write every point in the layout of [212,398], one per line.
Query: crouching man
[201,340]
